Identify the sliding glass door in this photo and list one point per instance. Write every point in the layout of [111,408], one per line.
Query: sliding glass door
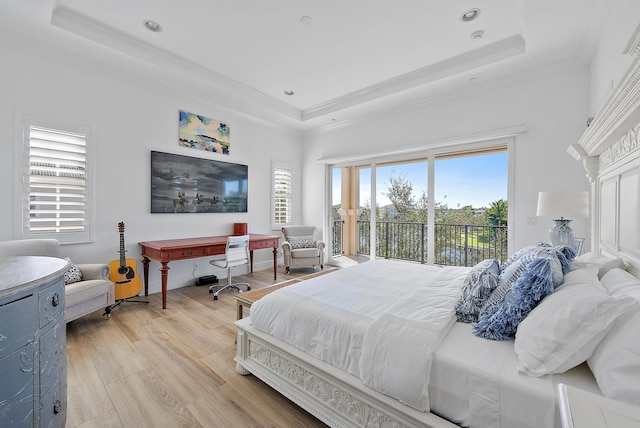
[447,208]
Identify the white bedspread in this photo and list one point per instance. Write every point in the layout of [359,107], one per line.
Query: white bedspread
[475,383]
[380,321]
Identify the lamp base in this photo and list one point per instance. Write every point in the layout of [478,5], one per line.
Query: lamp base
[562,234]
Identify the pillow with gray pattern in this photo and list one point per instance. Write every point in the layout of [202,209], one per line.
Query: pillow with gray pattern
[306,241]
[73,274]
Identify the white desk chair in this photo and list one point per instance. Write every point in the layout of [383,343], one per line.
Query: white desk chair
[236,254]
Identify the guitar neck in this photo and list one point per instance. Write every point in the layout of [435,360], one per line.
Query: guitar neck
[123,261]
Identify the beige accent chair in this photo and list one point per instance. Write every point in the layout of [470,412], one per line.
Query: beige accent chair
[94,292]
[300,247]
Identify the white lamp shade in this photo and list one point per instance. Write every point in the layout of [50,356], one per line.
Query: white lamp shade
[567,205]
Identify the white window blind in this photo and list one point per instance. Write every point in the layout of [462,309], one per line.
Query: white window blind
[57,182]
[282,196]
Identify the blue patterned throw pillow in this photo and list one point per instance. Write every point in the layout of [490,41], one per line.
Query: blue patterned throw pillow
[478,286]
[526,280]
[307,241]
[522,252]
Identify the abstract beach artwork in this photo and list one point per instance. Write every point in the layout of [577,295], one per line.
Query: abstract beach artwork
[199,132]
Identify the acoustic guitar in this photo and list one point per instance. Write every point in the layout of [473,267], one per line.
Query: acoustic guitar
[123,273]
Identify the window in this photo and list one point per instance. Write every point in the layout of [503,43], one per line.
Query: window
[55,181]
[282,201]
[438,206]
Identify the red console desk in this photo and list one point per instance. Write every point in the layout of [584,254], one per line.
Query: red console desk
[190,248]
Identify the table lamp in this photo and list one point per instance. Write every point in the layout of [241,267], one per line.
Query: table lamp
[561,207]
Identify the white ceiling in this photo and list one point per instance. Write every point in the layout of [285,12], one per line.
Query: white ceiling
[354,56]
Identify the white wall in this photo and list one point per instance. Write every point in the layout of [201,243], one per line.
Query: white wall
[552,103]
[132,118]
[609,64]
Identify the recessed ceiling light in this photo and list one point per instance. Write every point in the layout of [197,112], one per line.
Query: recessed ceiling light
[477,35]
[470,15]
[288,92]
[306,20]
[152,26]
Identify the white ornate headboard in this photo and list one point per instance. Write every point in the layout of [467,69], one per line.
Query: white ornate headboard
[610,151]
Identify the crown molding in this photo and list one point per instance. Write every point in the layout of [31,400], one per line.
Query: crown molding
[522,77]
[84,26]
[489,54]
[633,47]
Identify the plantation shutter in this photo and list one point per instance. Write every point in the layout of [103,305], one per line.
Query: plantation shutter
[282,188]
[57,182]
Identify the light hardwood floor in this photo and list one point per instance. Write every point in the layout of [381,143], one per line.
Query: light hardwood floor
[148,367]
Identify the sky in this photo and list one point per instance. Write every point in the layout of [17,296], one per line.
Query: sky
[473,180]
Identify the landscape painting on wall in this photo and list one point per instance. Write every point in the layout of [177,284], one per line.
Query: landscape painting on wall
[199,132]
[184,184]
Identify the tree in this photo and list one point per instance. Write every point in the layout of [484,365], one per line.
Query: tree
[497,214]
[401,195]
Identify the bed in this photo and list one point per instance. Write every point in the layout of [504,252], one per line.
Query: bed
[449,376]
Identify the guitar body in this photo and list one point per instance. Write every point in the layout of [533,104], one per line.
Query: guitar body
[123,274]
[126,282]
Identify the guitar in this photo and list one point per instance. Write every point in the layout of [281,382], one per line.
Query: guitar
[123,273]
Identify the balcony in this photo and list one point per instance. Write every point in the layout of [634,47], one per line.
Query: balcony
[455,244]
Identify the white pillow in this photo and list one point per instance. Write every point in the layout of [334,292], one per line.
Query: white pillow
[619,282]
[604,263]
[564,329]
[615,362]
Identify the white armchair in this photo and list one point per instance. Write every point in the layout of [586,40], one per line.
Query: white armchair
[94,292]
[300,247]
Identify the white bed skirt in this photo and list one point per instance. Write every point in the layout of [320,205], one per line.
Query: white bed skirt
[333,396]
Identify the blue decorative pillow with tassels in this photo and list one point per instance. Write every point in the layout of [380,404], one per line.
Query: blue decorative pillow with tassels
[478,285]
[523,283]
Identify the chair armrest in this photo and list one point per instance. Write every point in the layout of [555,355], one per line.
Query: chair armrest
[320,245]
[286,253]
[94,271]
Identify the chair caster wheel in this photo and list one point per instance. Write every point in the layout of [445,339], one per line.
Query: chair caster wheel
[248,288]
[210,291]
[215,297]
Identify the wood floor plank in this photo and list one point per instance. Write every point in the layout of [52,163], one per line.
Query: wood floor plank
[113,354]
[149,367]
[188,376]
[89,398]
[261,396]
[144,399]
[109,419]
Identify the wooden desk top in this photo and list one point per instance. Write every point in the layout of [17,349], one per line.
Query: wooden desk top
[173,244]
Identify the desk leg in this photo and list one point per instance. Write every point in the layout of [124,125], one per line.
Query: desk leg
[145,263]
[164,271]
[275,262]
[251,258]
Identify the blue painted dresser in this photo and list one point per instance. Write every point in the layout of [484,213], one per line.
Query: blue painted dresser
[33,347]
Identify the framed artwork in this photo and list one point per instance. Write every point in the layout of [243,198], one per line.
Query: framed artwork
[579,246]
[199,132]
[184,184]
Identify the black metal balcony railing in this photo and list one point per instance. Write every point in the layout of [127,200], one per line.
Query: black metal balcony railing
[455,244]
[338,238]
